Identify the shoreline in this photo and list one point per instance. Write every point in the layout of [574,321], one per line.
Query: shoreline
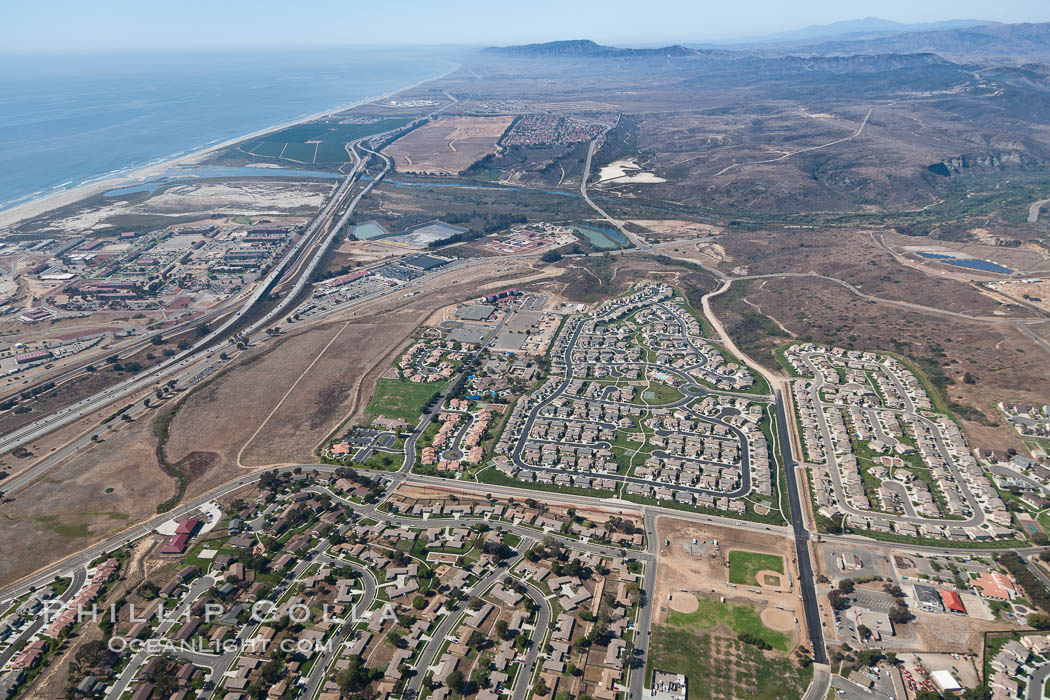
[49,202]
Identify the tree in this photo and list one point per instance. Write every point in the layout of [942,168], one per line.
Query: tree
[837,600]
[869,657]
[503,629]
[894,590]
[541,687]
[95,654]
[551,256]
[419,602]
[928,695]
[846,585]
[355,676]
[456,682]
[1040,621]
[899,614]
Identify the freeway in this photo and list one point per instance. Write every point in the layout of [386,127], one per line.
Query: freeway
[319,228]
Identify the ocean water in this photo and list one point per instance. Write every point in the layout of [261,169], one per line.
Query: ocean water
[68,120]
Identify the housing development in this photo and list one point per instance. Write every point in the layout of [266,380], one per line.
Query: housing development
[882,457]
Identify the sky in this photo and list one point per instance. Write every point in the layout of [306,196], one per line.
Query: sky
[61,26]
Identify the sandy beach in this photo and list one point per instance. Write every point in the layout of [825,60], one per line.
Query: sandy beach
[42,205]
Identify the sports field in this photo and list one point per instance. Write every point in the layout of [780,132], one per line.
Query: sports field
[395,398]
[741,619]
[745,566]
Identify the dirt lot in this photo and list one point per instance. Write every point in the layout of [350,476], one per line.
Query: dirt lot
[361,252]
[952,633]
[448,146]
[341,379]
[1036,293]
[703,569]
[670,229]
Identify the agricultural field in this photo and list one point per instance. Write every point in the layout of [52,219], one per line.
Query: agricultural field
[448,146]
[317,142]
[722,667]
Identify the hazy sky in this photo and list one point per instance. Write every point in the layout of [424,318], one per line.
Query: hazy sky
[76,25]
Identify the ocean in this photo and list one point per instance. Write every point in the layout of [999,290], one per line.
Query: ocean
[72,119]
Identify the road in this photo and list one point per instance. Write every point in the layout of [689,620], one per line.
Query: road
[1034,210]
[523,681]
[1037,682]
[197,588]
[637,242]
[977,517]
[79,576]
[690,390]
[449,623]
[807,582]
[332,651]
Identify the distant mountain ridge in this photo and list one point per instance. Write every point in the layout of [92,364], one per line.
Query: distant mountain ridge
[867,27]
[1022,42]
[1028,42]
[723,59]
[585,48]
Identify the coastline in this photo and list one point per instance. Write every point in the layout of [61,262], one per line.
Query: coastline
[49,202]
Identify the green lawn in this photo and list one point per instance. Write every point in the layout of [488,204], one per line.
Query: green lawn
[743,566]
[657,394]
[741,619]
[395,398]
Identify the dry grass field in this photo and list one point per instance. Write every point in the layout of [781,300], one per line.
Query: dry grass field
[447,146]
[99,492]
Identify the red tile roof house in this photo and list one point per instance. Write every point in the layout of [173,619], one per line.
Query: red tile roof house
[996,585]
[952,602]
[186,529]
